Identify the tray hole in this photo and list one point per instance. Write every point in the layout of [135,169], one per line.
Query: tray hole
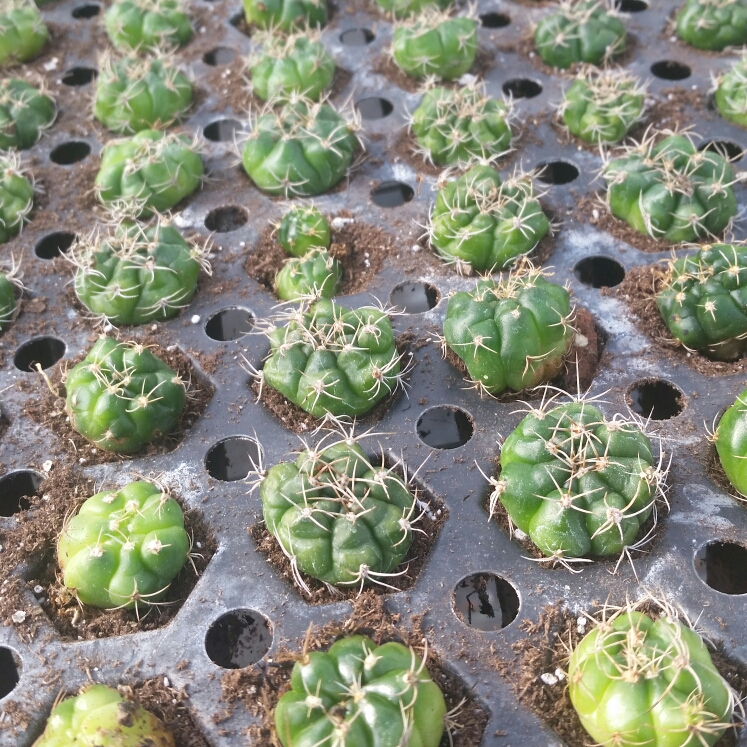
[238,638]
[522,88]
[557,172]
[599,272]
[86,11]
[495,20]
[233,458]
[54,244]
[670,70]
[357,37]
[726,148]
[226,219]
[70,152]
[15,490]
[219,56]
[486,601]
[222,130]
[445,427]
[79,76]
[392,194]
[45,351]
[374,107]
[723,566]
[9,674]
[631,6]
[229,324]
[656,399]
[415,298]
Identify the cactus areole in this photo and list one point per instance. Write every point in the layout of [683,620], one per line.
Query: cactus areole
[285,14]
[731,443]
[25,112]
[358,694]
[713,24]
[145,24]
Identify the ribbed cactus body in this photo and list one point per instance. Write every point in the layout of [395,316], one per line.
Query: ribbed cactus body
[16,197]
[731,93]
[22,32]
[302,229]
[145,24]
[25,112]
[730,439]
[713,24]
[285,14]
[7,300]
[404,8]
[315,275]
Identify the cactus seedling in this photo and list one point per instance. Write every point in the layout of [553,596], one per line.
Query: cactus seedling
[713,24]
[357,690]
[149,171]
[22,31]
[303,228]
[10,285]
[25,112]
[297,63]
[134,94]
[730,93]
[100,715]
[123,547]
[514,332]
[315,275]
[434,43]
[454,126]
[16,196]
[285,14]
[404,8]
[484,223]
[730,439]
[121,396]
[580,31]
[145,24]
[601,106]
[670,190]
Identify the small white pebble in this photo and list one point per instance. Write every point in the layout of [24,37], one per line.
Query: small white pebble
[47,466]
[582,341]
[415,248]
[595,214]
[521,536]
[581,622]
[549,679]
[338,223]
[195,319]
[108,327]
[171,348]
[199,545]
[242,244]
[166,682]
[560,674]
[46,497]
[153,327]
[82,460]
[51,64]
[567,588]
[467,79]
[38,589]
[18,616]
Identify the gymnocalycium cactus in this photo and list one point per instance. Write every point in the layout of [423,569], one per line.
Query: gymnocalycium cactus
[580,31]
[137,274]
[315,275]
[124,547]
[134,94]
[25,112]
[510,333]
[22,31]
[403,8]
[730,93]
[10,284]
[434,43]
[670,190]
[484,223]
[302,148]
[601,106]
[100,715]
[330,360]
[713,24]
[730,439]
[16,196]
[146,24]
[660,677]
[285,14]
[302,229]
[455,125]
[283,65]
[151,171]
[121,396]
[358,689]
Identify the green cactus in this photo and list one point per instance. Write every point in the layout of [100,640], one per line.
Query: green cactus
[25,113]
[285,14]
[316,275]
[577,483]
[580,31]
[16,196]
[434,43]
[124,547]
[730,439]
[329,359]
[359,694]
[670,190]
[22,31]
[146,24]
[10,286]
[100,716]
[730,93]
[713,24]
[483,223]
[121,396]
[602,106]
[511,333]
[404,8]
[455,125]
[137,274]
[302,229]
[283,65]
[134,94]
[302,148]
[151,171]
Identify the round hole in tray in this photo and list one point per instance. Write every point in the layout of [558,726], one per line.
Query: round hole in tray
[219,56]
[230,323]
[9,671]
[722,565]
[89,10]
[79,76]
[557,172]
[226,219]
[414,298]
[54,244]
[45,351]
[222,130]
[70,152]
[357,37]
[670,70]
[631,6]
[392,194]
[233,458]
[727,148]
[16,488]
[374,107]
[486,601]
[238,638]
[522,88]
[599,272]
[495,20]
[656,399]
[445,427]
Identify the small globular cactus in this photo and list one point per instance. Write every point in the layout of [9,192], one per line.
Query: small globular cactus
[302,148]
[302,229]
[484,223]
[151,171]
[146,24]
[455,125]
[134,94]
[342,696]
[16,196]
[433,43]
[580,31]
[121,396]
[135,274]
[315,275]
[283,65]
[25,113]
[100,715]
[602,106]
[730,438]
[10,285]
[285,14]
[124,547]
[510,333]
[331,360]
[22,31]
[404,8]
[730,94]
[713,24]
